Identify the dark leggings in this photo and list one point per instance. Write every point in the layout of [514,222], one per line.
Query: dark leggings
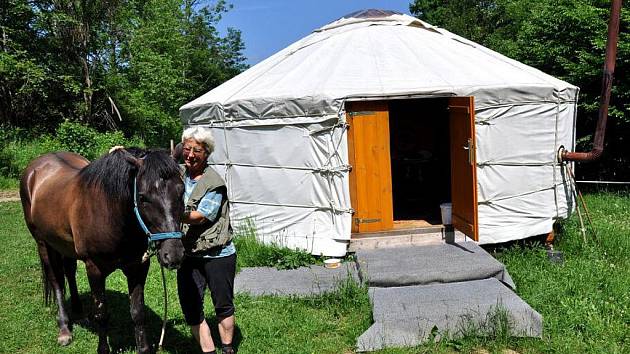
[192,278]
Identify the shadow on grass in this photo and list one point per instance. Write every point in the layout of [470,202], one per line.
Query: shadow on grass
[120,330]
[532,242]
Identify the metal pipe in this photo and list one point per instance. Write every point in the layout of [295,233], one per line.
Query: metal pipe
[607,79]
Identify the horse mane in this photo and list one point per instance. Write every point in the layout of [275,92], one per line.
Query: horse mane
[158,164]
[112,172]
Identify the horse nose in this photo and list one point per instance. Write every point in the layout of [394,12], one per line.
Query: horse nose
[169,261]
[172,259]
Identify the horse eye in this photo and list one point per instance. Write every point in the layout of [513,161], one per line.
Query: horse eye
[143,199]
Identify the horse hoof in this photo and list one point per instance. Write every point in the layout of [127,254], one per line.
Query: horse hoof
[64,339]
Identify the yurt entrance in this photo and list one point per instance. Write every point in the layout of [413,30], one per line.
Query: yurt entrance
[408,157]
[420,160]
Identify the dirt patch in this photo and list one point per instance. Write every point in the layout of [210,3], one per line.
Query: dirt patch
[9,196]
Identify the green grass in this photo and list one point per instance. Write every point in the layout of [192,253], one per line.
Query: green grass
[253,253]
[584,302]
[319,324]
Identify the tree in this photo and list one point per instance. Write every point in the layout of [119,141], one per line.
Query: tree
[24,87]
[564,38]
[172,54]
[126,64]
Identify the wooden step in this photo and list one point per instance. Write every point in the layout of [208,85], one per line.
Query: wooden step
[432,235]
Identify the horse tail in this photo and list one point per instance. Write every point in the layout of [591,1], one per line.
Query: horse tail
[47,288]
[52,264]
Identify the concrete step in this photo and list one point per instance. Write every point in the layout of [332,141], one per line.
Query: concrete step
[411,315]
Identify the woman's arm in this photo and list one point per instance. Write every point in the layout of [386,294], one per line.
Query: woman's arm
[208,209]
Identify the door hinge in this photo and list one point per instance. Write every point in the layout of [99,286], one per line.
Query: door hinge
[362,113]
[365,221]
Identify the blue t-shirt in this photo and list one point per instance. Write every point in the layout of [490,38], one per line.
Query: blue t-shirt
[209,207]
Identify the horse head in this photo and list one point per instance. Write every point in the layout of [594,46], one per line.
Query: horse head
[158,203]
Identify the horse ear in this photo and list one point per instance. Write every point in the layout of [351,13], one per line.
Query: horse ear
[134,161]
[177,152]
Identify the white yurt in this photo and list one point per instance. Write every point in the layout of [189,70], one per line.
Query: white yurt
[376,123]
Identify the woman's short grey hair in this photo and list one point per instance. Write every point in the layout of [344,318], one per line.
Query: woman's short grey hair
[202,135]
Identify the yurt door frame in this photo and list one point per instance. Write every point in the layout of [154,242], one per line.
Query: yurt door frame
[370,158]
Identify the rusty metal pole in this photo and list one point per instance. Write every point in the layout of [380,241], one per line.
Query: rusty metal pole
[607,79]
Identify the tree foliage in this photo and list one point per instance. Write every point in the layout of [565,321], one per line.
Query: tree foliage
[116,64]
[564,38]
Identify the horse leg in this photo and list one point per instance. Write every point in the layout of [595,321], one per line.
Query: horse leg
[136,277]
[52,263]
[96,278]
[70,270]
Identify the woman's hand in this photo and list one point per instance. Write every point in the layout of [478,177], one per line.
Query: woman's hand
[193,218]
[114,148]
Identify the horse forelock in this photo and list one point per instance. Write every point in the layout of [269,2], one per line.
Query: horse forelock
[158,165]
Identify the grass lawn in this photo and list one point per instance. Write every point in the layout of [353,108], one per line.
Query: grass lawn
[584,302]
[325,324]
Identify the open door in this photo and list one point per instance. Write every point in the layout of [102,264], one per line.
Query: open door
[463,165]
[369,156]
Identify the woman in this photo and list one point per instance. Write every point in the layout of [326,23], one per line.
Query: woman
[210,254]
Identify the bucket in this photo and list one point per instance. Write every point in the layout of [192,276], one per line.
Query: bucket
[332,263]
[445,208]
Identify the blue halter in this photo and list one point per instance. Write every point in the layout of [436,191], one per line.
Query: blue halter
[152,237]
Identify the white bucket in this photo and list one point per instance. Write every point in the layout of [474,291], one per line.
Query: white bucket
[446,208]
[332,263]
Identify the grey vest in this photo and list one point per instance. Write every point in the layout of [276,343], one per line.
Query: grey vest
[212,233]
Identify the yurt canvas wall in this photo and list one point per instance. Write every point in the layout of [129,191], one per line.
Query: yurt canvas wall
[282,128]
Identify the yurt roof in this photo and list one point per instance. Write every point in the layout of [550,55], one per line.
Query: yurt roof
[370,53]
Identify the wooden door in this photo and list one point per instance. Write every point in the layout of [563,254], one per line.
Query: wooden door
[463,165]
[369,156]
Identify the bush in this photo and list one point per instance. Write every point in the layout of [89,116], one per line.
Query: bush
[8,183]
[89,143]
[17,149]
[15,155]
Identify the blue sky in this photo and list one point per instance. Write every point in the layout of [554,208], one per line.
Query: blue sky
[268,26]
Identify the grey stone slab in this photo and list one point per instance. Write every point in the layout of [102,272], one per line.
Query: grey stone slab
[431,264]
[303,281]
[405,316]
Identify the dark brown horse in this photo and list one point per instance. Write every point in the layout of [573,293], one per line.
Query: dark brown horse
[80,210]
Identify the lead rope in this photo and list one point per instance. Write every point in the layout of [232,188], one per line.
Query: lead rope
[165,309]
